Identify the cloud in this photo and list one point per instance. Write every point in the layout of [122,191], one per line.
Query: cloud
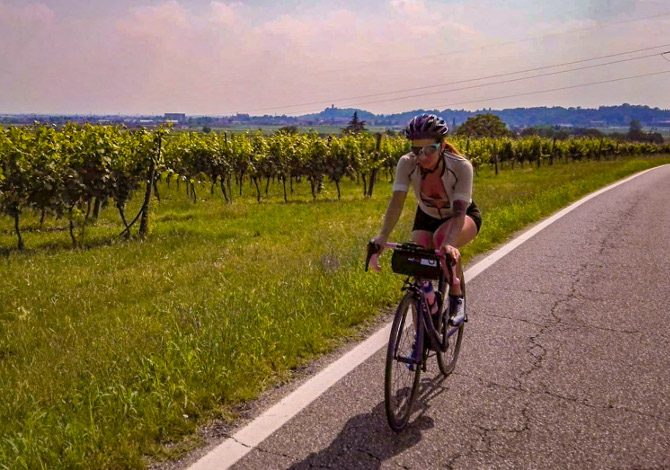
[31,14]
[605,9]
[409,7]
[24,26]
[168,21]
[224,56]
[224,13]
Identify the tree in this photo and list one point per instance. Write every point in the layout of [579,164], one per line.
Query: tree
[635,127]
[635,131]
[656,138]
[483,125]
[290,130]
[355,126]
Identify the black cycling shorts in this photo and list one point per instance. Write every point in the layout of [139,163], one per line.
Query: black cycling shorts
[423,221]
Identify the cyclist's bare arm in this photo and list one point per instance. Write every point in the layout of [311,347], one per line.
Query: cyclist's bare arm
[457,221]
[392,215]
[448,237]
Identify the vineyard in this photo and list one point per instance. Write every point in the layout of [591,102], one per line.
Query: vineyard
[71,173]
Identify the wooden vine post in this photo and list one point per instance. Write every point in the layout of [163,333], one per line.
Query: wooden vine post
[144,220]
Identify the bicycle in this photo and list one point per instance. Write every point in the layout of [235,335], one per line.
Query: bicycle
[406,357]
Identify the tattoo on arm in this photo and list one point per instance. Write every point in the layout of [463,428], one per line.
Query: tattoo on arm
[459,208]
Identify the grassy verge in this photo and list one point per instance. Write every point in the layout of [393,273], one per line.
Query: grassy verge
[116,352]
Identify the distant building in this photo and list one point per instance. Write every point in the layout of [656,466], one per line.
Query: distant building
[175,117]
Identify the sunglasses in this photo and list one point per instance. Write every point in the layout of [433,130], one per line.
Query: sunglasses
[428,150]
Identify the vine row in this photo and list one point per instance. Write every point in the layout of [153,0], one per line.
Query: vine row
[73,171]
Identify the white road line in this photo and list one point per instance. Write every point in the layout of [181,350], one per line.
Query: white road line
[234,448]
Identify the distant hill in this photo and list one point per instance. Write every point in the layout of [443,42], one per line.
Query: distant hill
[515,118]
[604,116]
[334,114]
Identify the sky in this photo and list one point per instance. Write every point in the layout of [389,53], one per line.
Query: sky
[204,57]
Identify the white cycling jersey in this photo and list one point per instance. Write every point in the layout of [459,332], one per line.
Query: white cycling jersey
[456,179]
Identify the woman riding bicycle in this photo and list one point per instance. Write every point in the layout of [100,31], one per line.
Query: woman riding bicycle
[446,217]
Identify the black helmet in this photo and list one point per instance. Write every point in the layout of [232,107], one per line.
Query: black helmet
[426,126]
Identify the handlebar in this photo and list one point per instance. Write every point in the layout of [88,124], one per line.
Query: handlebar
[374,248]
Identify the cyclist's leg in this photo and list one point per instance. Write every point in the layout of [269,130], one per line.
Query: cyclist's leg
[423,228]
[423,238]
[467,234]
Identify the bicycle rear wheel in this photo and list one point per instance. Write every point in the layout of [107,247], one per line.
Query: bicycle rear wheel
[401,378]
[446,360]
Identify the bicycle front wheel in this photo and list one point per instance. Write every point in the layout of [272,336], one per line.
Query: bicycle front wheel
[403,368]
[452,336]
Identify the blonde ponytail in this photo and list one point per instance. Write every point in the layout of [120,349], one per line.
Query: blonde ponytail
[451,148]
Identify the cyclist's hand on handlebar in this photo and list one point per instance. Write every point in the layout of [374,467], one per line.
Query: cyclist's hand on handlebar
[451,251]
[379,241]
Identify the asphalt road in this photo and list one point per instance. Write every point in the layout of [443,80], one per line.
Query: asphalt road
[565,362]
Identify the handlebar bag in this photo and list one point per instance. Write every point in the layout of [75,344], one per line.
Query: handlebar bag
[417,263]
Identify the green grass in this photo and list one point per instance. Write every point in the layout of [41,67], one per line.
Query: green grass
[111,355]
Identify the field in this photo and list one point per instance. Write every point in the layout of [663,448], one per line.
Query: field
[270,129]
[111,355]
[333,129]
[664,131]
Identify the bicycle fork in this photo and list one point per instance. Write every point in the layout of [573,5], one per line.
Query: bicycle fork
[418,350]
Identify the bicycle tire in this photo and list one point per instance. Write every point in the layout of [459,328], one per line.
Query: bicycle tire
[399,397]
[446,360]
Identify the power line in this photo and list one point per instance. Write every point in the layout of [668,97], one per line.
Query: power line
[486,77]
[555,89]
[493,45]
[511,80]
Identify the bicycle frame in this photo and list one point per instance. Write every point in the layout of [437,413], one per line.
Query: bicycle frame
[424,320]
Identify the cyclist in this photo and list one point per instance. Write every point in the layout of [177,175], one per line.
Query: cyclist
[441,177]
